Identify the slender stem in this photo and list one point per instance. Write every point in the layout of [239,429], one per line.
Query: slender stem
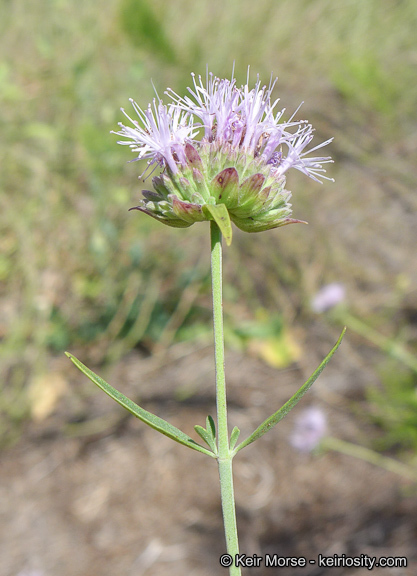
[370,456]
[224,454]
[394,349]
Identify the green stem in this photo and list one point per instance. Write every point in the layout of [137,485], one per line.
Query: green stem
[224,454]
[370,456]
[394,349]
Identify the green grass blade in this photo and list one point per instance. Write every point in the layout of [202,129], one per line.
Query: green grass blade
[270,422]
[147,417]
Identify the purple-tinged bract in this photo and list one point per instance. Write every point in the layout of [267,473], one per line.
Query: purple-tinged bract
[221,144]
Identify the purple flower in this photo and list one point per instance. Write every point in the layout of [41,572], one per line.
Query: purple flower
[162,136]
[309,429]
[328,297]
[245,119]
[224,153]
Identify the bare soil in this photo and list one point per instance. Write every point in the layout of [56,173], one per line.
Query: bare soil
[122,500]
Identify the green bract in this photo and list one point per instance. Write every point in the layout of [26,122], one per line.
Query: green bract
[224,153]
[219,176]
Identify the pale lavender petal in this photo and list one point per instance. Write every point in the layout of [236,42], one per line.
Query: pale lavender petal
[218,112]
[159,134]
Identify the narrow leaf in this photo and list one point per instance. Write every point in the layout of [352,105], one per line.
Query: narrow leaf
[211,427]
[206,436]
[270,422]
[147,417]
[233,437]
[220,215]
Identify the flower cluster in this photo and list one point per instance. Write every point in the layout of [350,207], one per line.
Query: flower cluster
[224,152]
[328,297]
[310,428]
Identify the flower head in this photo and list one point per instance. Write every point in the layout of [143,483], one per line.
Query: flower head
[309,429]
[224,153]
[328,297]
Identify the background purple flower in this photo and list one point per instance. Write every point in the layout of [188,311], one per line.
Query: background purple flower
[328,297]
[309,429]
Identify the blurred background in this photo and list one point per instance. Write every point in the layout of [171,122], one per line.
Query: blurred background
[131,298]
